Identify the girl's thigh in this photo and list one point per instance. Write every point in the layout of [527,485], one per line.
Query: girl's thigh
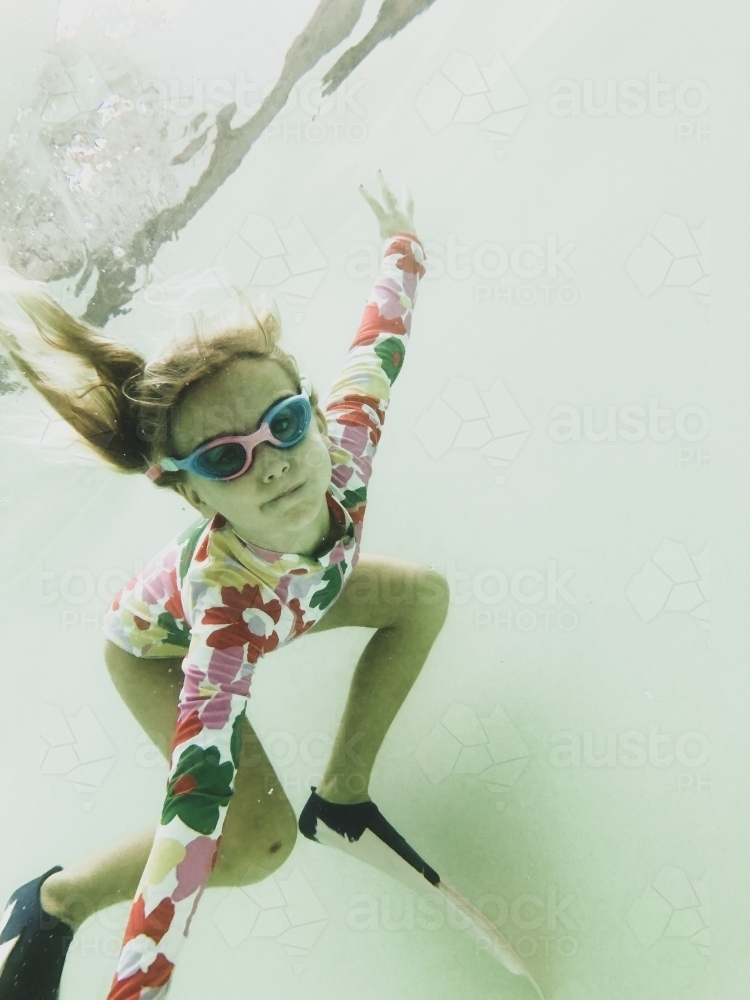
[151,688]
[382,591]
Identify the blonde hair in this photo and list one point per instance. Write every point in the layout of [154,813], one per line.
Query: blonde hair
[119,404]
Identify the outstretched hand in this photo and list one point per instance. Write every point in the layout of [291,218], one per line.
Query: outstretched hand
[392,217]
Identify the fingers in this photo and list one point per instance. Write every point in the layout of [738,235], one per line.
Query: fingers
[389,197]
[372,202]
[389,200]
[393,214]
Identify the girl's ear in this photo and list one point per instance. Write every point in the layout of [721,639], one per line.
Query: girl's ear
[193,498]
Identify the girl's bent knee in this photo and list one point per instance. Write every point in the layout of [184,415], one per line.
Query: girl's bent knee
[255,856]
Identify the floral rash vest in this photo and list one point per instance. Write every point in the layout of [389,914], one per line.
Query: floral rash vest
[222,603]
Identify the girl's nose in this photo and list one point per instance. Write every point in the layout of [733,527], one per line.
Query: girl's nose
[272,462]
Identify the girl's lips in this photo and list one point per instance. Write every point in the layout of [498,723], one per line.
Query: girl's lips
[288,493]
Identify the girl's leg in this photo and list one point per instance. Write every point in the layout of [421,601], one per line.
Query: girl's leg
[407,604]
[260,827]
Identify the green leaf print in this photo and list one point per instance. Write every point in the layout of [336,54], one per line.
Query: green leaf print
[235,744]
[190,535]
[198,789]
[391,354]
[326,595]
[353,498]
[177,634]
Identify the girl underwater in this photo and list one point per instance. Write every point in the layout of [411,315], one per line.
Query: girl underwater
[280,480]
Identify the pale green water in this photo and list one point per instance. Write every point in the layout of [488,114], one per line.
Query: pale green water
[617,867]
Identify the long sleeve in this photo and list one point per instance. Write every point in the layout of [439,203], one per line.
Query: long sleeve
[232,628]
[357,401]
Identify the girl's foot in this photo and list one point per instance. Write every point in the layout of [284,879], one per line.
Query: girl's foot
[33,946]
[360,829]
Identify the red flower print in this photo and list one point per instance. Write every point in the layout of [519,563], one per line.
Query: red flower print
[186,729]
[236,631]
[174,604]
[158,974]
[408,262]
[155,925]
[201,553]
[185,784]
[300,626]
[374,323]
[351,410]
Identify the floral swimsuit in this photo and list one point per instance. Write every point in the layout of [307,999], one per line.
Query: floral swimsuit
[222,603]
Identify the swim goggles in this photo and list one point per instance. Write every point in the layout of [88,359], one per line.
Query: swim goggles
[284,424]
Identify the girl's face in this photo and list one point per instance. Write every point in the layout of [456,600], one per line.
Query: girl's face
[233,402]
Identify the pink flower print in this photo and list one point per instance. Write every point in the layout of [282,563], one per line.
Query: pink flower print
[157,587]
[194,869]
[341,475]
[391,300]
[354,439]
[364,465]
[214,706]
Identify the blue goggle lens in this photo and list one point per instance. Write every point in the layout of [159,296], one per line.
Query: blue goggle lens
[223,460]
[288,425]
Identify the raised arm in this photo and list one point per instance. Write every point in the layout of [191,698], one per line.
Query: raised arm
[356,403]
